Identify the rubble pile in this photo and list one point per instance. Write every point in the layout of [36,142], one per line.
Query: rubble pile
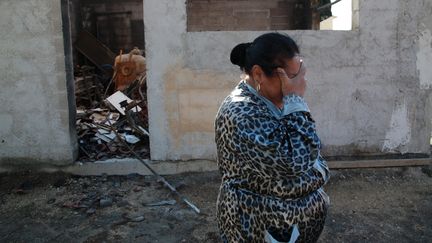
[88,87]
[113,126]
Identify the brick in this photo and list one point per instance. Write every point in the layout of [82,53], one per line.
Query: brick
[253,23]
[252,28]
[291,3]
[261,4]
[280,20]
[197,1]
[242,5]
[214,13]
[195,28]
[229,20]
[286,26]
[219,6]
[214,21]
[240,14]
[196,21]
[252,13]
[111,1]
[280,12]
[198,6]
[229,27]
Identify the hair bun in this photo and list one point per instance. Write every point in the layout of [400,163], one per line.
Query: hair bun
[238,54]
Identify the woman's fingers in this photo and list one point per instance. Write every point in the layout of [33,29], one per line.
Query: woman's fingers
[304,85]
[282,76]
[285,82]
[296,85]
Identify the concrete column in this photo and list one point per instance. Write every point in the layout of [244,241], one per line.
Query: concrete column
[165,24]
[36,123]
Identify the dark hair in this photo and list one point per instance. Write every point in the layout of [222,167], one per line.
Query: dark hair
[267,51]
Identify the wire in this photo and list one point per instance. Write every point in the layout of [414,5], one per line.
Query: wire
[109,84]
[160,178]
[327,5]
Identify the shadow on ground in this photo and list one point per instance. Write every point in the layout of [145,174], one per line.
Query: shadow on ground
[368,205]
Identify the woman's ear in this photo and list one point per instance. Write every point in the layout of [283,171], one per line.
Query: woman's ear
[257,73]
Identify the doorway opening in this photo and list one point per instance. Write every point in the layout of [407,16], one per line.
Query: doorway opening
[109,78]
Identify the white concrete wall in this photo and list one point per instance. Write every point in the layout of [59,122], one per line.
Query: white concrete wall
[34,109]
[369,89]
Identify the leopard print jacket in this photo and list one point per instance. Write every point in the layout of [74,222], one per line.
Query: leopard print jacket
[272,170]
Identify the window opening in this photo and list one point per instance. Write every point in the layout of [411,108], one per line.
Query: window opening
[217,15]
[341,16]
[109,78]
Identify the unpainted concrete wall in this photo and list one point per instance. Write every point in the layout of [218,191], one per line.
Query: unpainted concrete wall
[369,89]
[35,113]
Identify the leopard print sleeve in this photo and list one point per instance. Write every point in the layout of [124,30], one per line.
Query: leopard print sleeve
[272,171]
[277,148]
[279,156]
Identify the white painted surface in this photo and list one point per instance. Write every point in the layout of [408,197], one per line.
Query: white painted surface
[424,58]
[399,132]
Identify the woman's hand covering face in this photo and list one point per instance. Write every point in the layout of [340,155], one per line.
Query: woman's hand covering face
[295,85]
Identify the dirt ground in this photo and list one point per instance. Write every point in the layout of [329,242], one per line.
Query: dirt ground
[368,205]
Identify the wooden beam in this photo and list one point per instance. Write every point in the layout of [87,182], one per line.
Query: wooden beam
[379,163]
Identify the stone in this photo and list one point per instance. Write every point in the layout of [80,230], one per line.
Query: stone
[106,202]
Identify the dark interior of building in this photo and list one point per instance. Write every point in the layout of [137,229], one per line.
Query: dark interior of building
[107,39]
